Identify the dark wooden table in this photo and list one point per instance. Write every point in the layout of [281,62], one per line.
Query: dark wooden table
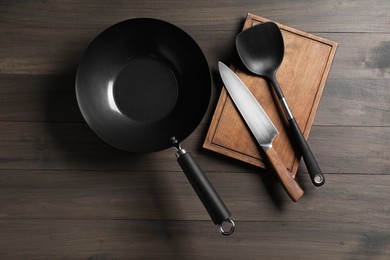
[65,194]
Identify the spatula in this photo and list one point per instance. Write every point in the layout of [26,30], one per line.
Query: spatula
[261,49]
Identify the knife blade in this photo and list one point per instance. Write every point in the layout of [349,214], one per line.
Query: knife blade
[260,125]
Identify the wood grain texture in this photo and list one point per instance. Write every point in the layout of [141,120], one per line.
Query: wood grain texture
[65,194]
[251,197]
[51,98]
[73,146]
[355,102]
[73,25]
[288,182]
[109,239]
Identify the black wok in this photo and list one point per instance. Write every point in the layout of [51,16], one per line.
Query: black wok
[143,85]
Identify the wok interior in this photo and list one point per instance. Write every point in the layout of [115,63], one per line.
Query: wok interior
[142,81]
[143,97]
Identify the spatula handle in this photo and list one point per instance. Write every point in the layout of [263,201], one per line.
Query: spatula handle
[314,170]
[312,167]
[289,184]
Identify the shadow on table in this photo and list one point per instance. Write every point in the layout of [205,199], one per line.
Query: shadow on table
[74,146]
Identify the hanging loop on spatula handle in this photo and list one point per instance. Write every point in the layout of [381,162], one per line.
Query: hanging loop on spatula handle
[207,194]
[311,164]
[314,170]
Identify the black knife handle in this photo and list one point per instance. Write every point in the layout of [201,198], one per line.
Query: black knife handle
[311,164]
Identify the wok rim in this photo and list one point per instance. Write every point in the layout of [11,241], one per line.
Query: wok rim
[175,124]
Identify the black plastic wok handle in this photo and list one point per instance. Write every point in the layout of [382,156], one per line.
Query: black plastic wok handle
[206,192]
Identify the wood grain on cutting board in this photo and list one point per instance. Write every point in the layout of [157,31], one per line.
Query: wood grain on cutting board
[302,76]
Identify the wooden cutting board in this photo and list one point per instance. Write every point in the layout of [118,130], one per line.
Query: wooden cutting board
[302,76]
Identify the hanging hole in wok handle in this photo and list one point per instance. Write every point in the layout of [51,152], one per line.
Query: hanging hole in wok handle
[230,231]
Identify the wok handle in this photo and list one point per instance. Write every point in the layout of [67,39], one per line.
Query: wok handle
[206,192]
[314,170]
[289,184]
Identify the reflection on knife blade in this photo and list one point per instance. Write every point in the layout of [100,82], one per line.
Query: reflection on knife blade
[260,125]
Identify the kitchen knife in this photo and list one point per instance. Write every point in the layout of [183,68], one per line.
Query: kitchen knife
[260,125]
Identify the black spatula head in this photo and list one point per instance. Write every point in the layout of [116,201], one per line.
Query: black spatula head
[261,48]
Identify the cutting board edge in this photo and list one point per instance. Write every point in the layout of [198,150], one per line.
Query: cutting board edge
[210,145]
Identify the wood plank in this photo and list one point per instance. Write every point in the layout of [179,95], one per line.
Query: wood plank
[51,98]
[355,102]
[361,56]
[70,239]
[28,145]
[352,149]
[358,55]
[44,98]
[307,15]
[56,47]
[250,196]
